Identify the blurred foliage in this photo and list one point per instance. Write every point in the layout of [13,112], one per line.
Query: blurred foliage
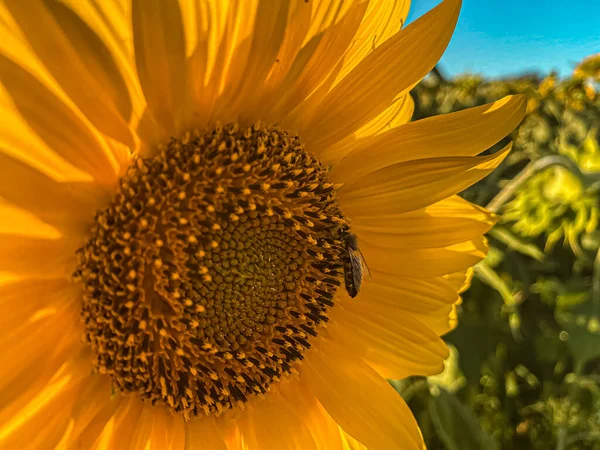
[524,371]
[589,68]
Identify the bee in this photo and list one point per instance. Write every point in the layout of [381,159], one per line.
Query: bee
[355,265]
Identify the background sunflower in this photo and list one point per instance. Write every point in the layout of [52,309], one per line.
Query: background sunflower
[523,369]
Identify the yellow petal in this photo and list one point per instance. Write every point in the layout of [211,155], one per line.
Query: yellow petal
[143,428]
[92,411]
[327,19]
[415,184]
[228,428]
[394,343]
[158,429]
[250,66]
[453,316]
[297,25]
[395,115]
[160,53]
[59,126]
[416,294]
[428,300]
[36,365]
[41,422]
[111,21]
[324,13]
[45,333]
[349,443]
[18,140]
[50,258]
[315,61]
[68,206]
[322,427]
[11,37]
[27,298]
[203,434]
[168,430]
[209,28]
[231,24]
[14,220]
[381,21]
[389,71]
[460,281]
[119,432]
[463,133]
[46,424]
[425,262]
[448,222]
[362,402]
[285,429]
[80,62]
[25,391]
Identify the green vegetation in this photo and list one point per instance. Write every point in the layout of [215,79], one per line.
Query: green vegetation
[525,366]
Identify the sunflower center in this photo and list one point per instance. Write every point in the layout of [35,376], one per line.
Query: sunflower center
[212,268]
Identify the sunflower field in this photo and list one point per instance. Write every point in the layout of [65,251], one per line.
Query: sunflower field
[190,191]
[524,370]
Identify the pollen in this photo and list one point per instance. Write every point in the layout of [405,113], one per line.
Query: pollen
[212,269]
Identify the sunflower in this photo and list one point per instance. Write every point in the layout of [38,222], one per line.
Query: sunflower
[190,191]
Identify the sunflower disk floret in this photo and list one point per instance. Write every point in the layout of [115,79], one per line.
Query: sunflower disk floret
[212,268]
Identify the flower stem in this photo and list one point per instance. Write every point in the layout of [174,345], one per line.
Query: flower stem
[596,284]
[511,188]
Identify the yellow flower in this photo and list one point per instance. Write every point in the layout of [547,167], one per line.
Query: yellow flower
[589,67]
[182,184]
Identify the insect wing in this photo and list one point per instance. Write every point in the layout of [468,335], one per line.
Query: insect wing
[359,267]
[365,267]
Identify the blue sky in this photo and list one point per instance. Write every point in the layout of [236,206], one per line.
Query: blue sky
[507,37]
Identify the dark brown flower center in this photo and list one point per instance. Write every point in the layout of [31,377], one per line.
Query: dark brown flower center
[213,266]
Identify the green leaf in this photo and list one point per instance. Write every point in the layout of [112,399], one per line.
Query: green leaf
[562,293]
[456,425]
[489,276]
[582,323]
[475,343]
[548,349]
[516,243]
